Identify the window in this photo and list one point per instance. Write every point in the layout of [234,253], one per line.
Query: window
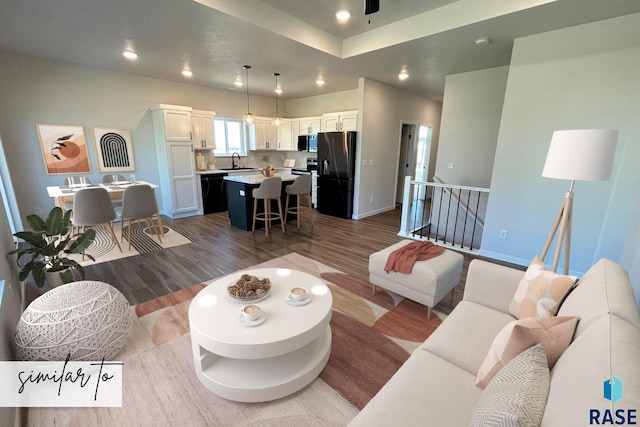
[229,134]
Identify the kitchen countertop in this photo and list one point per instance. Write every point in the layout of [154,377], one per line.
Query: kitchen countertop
[258,178]
[237,171]
[221,171]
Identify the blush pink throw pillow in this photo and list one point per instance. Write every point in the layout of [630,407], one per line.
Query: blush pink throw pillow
[554,333]
[540,292]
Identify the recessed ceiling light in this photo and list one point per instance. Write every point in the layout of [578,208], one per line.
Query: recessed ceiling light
[482,41]
[343,15]
[187,73]
[404,75]
[278,90]
[129,54]
[320,81]
[238,83]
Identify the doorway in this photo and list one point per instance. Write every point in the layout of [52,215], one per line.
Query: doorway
[422,161]
[414,159]
[406,165]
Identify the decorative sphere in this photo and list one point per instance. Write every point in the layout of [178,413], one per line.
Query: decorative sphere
[87,320]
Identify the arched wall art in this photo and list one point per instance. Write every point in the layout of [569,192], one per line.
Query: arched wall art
[64,149]
[114,149]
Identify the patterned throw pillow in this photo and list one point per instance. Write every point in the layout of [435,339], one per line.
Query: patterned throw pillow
[554,333]
[540,292]
[517,395]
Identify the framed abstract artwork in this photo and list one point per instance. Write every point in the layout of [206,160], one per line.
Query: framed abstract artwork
[64,149]
[114,149]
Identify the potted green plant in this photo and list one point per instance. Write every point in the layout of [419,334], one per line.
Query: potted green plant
[47,245]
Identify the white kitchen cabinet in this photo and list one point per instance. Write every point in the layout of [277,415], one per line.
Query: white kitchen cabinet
[262,135]
[176,163]
[202,128]
[295,133]
[310,125]
[285,137]
[340,121]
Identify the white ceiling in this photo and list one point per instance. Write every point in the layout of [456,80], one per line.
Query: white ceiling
[298,38]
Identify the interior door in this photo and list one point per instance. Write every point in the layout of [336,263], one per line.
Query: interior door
[406,166]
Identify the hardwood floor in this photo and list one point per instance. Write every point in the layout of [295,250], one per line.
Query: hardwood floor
[222,249]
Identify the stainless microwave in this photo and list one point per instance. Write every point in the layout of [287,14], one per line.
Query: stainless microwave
[308,143]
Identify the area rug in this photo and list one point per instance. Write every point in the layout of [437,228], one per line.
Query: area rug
[373,335]
[143,240]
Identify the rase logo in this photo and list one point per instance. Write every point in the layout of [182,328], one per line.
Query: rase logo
[613,392]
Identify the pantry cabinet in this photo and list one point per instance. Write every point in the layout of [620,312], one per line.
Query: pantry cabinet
[176,160]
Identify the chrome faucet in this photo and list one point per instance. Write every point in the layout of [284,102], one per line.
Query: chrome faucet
[233,162]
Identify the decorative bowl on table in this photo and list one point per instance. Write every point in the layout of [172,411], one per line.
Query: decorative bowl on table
[268,171]
[249,288]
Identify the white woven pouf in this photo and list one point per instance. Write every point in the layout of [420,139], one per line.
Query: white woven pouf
[86,320]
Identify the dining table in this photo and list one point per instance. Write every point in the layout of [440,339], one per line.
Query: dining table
[62,193]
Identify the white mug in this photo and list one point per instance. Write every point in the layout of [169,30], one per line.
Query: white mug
[298,294]
[251,312]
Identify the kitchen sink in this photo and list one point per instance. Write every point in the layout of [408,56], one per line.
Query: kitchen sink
[238,169]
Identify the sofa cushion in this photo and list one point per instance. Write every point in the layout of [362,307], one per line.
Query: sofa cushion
[603,289]
[610,346]
[466,334]
[426,390]
[540,291]
[554,333]
[517,395]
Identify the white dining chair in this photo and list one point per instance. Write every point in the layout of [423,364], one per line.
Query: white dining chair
[92,208]
[112,177]
[139,202]
[70,181]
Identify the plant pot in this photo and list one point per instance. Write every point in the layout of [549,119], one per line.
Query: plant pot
[53,279]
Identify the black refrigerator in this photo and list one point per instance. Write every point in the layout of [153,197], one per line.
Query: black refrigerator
[336,170]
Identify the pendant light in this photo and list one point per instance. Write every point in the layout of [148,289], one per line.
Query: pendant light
[277,120]
[248,118]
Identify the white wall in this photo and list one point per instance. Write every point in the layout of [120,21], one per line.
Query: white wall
[10,301]
[327,103]
[43,91]
[581,77]
[471,111]
[384,110]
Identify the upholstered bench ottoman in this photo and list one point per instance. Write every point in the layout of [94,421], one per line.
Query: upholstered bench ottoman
[428,282]
[86,320]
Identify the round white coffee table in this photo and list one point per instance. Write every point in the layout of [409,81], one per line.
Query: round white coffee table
[267,361]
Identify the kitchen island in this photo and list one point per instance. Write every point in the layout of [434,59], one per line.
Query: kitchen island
[240,197]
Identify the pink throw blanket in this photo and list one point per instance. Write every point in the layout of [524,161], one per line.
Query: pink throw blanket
[402,260]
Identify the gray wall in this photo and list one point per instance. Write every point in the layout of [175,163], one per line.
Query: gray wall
[384,110]
[581,77]
[471,110]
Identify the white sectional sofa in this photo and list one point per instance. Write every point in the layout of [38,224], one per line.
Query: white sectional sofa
[436,385]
